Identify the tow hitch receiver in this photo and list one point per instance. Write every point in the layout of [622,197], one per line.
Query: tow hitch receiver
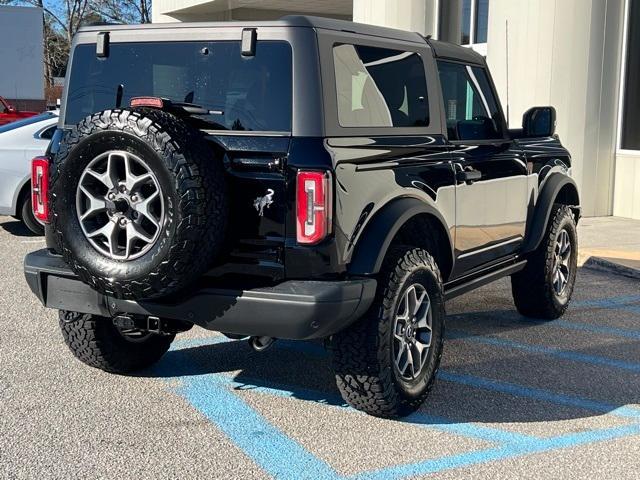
[150,324]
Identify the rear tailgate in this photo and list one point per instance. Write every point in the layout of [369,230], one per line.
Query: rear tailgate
[256,182]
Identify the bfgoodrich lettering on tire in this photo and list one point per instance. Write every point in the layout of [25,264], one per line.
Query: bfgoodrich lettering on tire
[139,203]
[386,363]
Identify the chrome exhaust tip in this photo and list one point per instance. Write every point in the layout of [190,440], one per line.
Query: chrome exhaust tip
[260,344]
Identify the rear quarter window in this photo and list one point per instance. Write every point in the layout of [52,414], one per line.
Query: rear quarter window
[245,93]
[379,87]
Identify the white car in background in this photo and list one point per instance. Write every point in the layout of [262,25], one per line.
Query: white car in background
[20,141]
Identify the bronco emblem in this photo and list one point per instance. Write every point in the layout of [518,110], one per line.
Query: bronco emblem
[261,203]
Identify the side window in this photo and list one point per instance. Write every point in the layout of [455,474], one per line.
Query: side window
[378,87]
[470,105]
[47,134]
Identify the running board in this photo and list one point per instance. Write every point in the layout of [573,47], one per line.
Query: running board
[462,286]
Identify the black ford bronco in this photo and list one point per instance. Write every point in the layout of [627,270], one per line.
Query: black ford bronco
[300,179]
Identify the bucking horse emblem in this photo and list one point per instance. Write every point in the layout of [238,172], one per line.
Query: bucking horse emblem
[261,203]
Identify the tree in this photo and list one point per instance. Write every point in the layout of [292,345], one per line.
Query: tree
[124,11]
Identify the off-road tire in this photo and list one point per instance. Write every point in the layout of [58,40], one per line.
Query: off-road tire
[27,217]
[96,342]
[193,188]
[532,287]
[362,354]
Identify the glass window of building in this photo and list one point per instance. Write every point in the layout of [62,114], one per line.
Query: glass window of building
[630,135]
[464,21]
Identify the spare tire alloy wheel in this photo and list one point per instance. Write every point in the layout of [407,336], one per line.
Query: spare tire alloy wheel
[120,205]
[139,203]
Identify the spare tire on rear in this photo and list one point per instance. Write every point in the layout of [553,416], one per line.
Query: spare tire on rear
[138,201]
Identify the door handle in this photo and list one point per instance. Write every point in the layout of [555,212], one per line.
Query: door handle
[469,175]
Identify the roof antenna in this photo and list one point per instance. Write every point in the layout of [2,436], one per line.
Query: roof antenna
[506,33]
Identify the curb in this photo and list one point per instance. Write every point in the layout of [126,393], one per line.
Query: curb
[604,265]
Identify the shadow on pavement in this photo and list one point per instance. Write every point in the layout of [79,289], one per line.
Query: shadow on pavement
[302,370]
[16,228]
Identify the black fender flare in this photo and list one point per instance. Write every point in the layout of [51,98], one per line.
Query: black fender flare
[379,232]
[547,196]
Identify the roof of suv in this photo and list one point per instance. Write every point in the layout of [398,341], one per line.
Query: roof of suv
[441,49]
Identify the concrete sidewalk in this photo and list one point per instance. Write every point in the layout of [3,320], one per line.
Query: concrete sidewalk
[610,243]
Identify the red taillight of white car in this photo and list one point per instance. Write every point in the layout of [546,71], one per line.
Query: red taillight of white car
[40,188]
[313,206]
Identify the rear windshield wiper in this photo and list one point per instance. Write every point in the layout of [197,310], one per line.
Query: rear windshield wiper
[191,108]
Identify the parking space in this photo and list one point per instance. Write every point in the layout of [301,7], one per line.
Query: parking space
[514,398]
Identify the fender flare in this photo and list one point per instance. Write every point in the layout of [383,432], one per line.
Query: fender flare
[544,205]
[379,232]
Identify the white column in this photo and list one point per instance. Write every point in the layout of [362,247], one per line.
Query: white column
[566,54]
[413,15]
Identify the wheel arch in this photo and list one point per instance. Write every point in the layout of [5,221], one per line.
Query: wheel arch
[389,225]
[20,193]
[558,188]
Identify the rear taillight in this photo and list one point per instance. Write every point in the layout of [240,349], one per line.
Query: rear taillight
[313,206]
[40,188]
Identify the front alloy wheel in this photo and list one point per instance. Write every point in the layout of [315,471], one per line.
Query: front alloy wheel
[562,262]
[544,287]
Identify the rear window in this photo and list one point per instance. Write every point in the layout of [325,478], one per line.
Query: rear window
[378,87]
[244,93]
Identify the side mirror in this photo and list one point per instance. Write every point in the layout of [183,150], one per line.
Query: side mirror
[539,122]
[11,109]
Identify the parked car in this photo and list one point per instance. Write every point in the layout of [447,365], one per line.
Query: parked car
[300,179]
[8,113]
[19,142]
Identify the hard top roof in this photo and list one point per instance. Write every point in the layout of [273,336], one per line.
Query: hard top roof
[441,49]
[287,21]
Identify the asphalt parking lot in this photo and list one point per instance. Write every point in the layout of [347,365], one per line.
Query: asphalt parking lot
[514,398]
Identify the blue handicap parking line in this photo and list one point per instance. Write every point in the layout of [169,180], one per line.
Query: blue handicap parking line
[610,302]
[539,394]
[470,430]
[599,329]
[215,395]
[272,450]
[502,452]
[550,351]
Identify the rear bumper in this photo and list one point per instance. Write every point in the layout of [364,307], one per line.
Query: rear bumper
[295,309]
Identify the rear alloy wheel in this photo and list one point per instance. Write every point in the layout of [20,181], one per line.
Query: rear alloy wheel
[543,288]
[386,363]
[412,332]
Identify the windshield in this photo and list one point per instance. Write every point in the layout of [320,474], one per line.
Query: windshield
[27,121]
[242,93]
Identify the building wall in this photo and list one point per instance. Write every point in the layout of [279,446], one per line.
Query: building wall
[223,10]
[21,56]
[626,189]
[413,15]
[565,53]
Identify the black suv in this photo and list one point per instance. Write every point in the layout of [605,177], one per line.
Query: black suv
[301,179]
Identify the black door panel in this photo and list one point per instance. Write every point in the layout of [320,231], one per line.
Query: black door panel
[490,212]
[491,171]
